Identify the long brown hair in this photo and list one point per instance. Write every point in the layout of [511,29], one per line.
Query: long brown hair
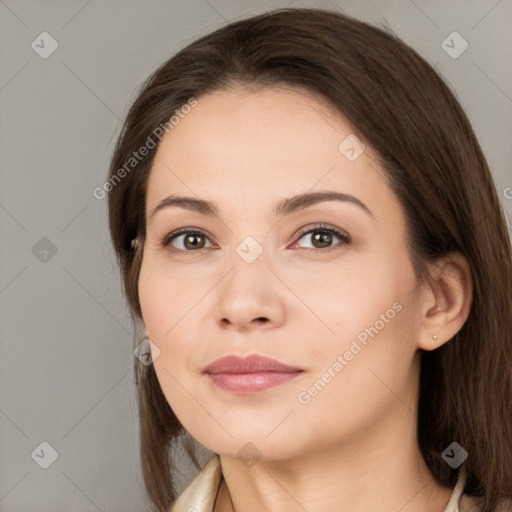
[433,162]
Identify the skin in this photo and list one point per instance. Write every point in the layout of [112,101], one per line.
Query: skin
[352,447]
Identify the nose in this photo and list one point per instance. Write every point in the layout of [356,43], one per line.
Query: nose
[250,297]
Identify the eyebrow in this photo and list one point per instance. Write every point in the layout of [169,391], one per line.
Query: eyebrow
[283,208]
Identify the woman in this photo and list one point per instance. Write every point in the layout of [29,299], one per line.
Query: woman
[309,233]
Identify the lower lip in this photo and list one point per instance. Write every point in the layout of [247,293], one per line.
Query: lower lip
[248,383]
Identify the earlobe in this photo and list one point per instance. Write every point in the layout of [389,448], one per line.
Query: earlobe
[447,301]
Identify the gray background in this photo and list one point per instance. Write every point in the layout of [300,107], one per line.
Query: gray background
[66,355]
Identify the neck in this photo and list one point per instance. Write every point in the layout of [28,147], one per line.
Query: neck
[378,468]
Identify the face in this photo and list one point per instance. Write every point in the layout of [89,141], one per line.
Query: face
[325,287]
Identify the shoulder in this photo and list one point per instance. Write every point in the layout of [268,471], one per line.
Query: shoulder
[475,504]
[200,494]
[470,504]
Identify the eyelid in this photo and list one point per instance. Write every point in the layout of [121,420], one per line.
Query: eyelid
[340,233]
[184,231]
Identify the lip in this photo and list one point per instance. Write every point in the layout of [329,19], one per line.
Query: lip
[249,364]
[251,374]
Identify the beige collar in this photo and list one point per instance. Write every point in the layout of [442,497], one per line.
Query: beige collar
[200,494]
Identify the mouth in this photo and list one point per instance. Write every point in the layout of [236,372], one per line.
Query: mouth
[249,375]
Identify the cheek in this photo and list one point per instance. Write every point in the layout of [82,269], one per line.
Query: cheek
[167,298]
[170,309]
[360,374]
[163,306]
[366,333]
[338,301]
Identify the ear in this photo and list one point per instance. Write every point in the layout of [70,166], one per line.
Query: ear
[446,301]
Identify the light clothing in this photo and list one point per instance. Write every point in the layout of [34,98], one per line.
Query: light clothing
[200,494]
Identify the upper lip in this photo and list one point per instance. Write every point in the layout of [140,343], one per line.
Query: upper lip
[250,364]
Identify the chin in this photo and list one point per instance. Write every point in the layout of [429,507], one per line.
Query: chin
[252,444]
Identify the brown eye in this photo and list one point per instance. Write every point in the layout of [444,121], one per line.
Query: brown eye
[192,241]
[324,237]
[186,240]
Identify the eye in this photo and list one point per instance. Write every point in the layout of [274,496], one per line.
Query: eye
[324,236]
[192,240]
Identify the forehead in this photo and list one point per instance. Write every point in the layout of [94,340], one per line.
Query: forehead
[257,146]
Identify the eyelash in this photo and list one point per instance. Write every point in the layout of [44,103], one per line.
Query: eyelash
[344,237]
